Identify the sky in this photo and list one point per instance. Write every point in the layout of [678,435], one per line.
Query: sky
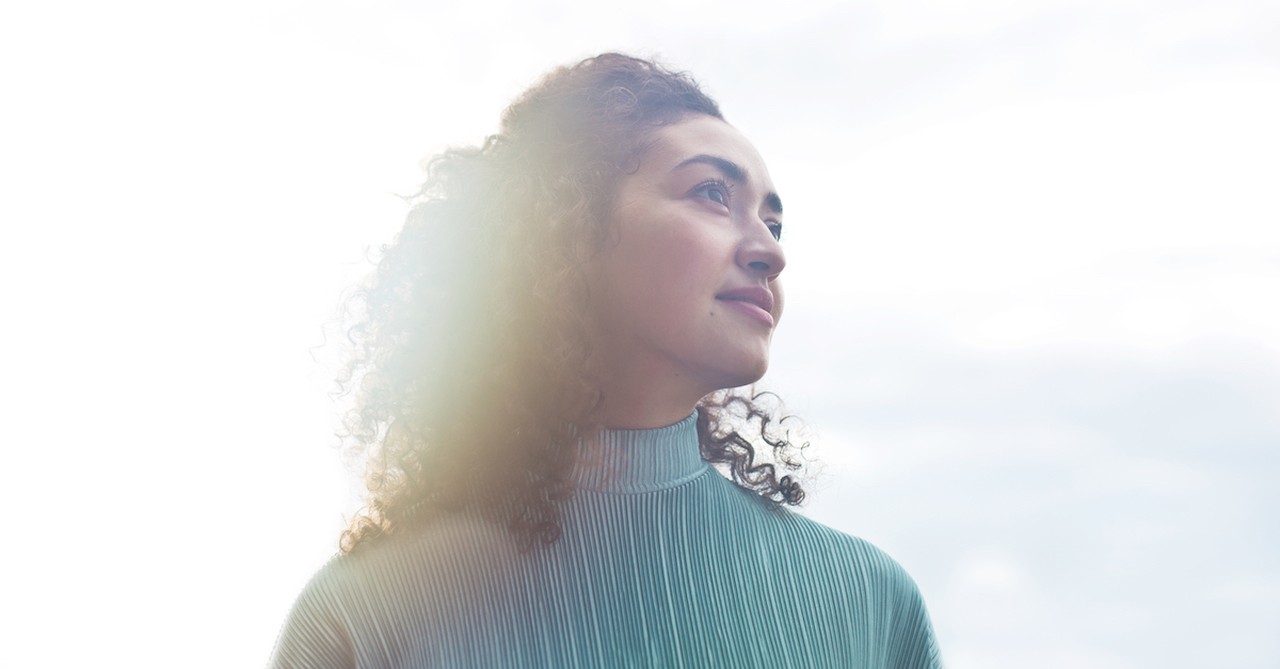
[1033,263]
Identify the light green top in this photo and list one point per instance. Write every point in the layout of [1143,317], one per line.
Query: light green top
[662,562]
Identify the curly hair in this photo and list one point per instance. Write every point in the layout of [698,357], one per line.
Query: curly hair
[472,350]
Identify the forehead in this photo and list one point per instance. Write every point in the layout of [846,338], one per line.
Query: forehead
[704,135]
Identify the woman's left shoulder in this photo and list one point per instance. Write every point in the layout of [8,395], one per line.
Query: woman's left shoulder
[843,553]
[851,569]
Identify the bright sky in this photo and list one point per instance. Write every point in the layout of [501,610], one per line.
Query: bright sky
[1034,258]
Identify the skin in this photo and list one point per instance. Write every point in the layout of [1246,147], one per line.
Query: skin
[669,336]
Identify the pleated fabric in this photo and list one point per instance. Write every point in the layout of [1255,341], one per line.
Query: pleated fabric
[662,562]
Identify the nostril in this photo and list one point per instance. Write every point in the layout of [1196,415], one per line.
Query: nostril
[758,266]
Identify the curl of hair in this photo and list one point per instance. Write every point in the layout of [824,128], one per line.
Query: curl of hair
[471,364]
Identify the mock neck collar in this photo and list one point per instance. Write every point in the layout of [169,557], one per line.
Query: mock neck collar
[641,460]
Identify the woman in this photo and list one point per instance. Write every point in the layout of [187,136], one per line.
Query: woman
[544,358]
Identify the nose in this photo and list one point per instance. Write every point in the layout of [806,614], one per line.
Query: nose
[760,253]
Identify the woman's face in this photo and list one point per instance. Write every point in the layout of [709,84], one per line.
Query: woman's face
[688,296]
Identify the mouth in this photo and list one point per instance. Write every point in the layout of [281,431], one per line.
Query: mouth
[754,301]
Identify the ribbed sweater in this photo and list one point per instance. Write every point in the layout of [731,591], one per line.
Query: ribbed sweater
[662,562]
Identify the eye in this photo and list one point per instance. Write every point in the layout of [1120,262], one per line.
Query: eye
[775,228]
[717,191]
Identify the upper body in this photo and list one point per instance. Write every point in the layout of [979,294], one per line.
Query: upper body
[662,562]
[549,358]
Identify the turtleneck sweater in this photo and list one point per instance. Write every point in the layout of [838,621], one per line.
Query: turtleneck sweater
[661,562]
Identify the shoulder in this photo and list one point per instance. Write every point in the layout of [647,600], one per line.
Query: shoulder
[454,549]
[808,536]
[372,592]
[314,634]
[865,599]
[853,556]
[827,553]
[874,587]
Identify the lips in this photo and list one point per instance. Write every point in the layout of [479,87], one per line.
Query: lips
[754,300]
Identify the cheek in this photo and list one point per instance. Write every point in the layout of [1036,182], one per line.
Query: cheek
[641,283]
[676,284]
[689,278]
[666,263]
[675,260]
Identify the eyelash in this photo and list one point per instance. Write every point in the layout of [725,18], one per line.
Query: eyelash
[775,228]
[725,187]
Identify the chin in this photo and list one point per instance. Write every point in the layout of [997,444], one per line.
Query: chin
[743,375]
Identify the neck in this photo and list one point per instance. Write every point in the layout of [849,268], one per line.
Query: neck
[642,392]
[641,410]
[640,460]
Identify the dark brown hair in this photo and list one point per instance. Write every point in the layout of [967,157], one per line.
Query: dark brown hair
[472,363]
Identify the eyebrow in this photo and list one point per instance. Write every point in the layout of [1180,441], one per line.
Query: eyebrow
[735,172]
